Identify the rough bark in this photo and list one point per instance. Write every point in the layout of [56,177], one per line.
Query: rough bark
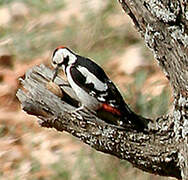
[164,26]
[162,149]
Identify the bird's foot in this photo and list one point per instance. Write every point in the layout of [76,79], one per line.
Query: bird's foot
[76,112]
[82,110]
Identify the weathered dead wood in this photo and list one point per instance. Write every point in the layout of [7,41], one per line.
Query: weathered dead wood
[153,151]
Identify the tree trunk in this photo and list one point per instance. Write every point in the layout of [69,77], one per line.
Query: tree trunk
[162,149]
[164,25]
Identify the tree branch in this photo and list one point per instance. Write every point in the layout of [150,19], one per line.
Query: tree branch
[153,151]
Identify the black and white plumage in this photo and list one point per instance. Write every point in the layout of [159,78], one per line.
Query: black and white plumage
[91,84]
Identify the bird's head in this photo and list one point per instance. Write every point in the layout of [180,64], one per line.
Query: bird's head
[61,58]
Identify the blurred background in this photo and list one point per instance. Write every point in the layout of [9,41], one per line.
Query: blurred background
[29,32]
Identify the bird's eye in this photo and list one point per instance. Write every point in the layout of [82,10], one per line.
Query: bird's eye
[54,62]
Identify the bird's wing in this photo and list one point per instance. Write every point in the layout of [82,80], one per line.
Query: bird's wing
[87,81]
[105,92]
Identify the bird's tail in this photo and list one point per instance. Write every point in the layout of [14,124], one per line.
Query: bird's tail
[134,120]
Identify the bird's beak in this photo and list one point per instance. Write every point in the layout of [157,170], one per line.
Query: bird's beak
[55,73]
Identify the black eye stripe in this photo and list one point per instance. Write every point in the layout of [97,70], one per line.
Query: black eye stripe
[60,64]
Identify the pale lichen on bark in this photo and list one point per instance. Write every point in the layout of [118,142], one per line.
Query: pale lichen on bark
[181,132]
[158,10]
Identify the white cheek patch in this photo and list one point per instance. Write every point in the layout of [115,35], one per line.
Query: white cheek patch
[72,57]
[58,58]
[91,78]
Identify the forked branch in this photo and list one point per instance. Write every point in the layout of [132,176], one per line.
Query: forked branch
[153,151]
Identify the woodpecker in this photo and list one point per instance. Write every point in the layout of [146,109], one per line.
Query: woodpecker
[93,87]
